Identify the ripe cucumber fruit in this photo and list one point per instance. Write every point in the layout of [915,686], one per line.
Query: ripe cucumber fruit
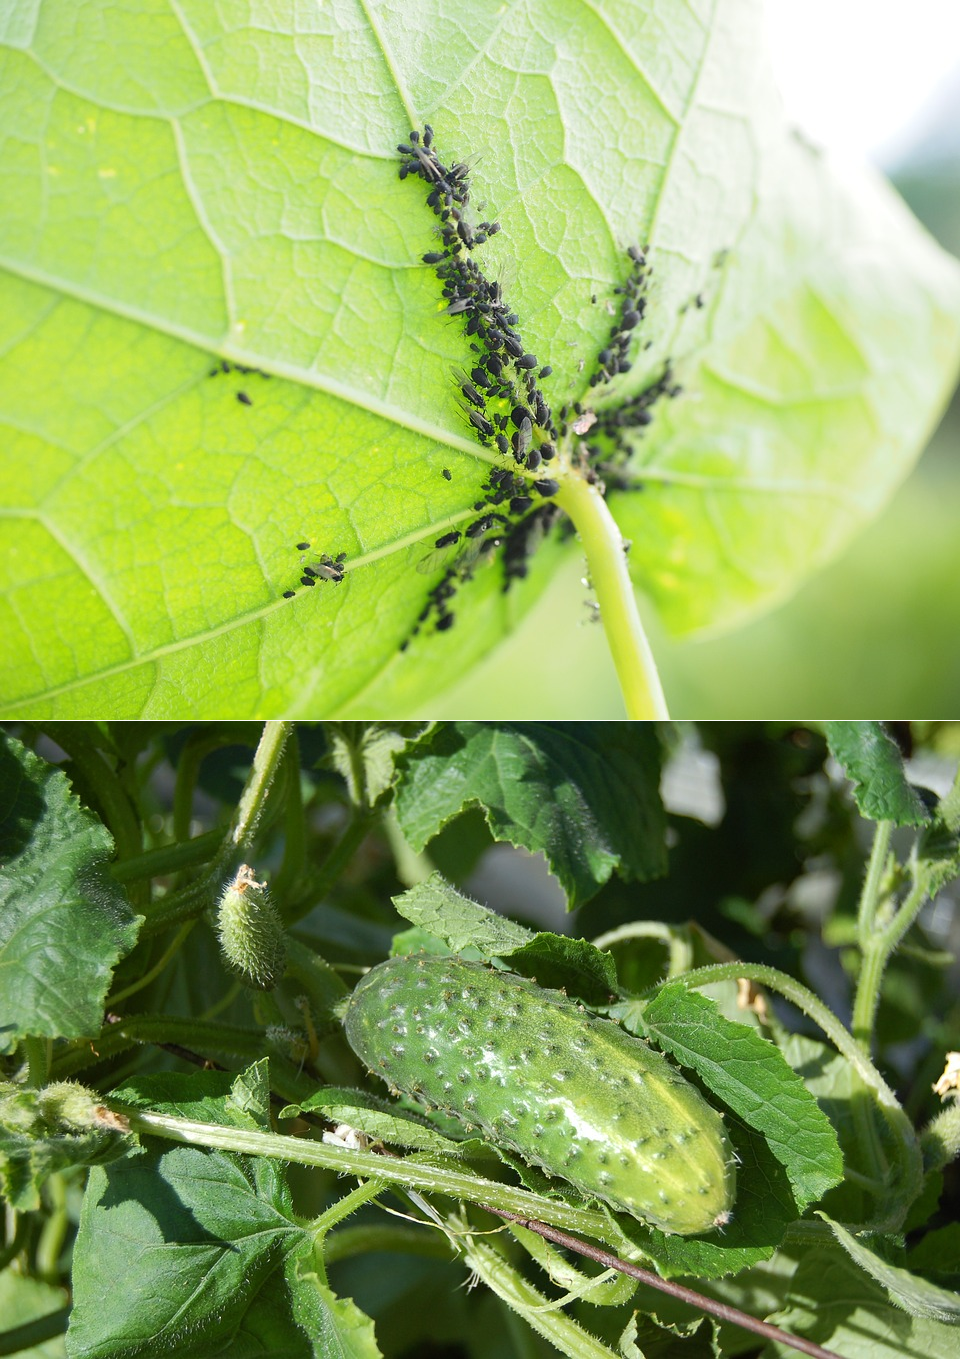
[568,1091]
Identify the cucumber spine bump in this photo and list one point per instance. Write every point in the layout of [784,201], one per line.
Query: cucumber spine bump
[568,1091]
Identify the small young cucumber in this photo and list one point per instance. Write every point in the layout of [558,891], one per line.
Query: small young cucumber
[568,1091]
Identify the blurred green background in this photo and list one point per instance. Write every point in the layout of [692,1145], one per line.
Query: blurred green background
[876,631]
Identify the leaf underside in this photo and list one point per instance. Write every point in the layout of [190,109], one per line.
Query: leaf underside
[193,183]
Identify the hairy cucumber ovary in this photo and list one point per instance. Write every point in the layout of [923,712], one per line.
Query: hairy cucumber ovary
[568,1091]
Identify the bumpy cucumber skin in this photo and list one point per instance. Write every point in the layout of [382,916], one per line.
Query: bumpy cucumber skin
[568,1091]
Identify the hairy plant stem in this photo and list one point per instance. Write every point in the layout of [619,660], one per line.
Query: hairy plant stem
[331,870]
[898,1198]
[168,859]
[488,1261]
[409,1171]
[870,895]
[675,937]
[877,951]
[868,991]
[294,831]
[194,899]
[166,957]
[940,1139]
[607,565]
[253,799]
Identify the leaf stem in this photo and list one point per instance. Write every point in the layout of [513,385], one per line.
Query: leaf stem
[344,1207]
[34,1333]
[36,1049]
[195,898]
[166,957]
[870,895]
[607,564]
[253,799]
[167,859]
[294,829]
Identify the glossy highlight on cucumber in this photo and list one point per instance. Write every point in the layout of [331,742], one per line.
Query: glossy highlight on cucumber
[566,1090]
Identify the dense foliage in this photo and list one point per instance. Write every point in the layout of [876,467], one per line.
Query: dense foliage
[195,1161]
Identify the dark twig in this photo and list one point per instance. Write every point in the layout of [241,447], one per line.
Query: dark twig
[721,1310]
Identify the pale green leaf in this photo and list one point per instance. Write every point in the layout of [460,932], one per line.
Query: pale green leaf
[195,182]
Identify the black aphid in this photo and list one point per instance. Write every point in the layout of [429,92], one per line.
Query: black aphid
[480,526]
[448,539]
[447,474]
[302,547]
[289,594]
[444,622]
[547,486]
[481,423]
[244,399]
[521,440]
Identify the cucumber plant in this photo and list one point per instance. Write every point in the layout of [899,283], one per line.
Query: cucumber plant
[211,936]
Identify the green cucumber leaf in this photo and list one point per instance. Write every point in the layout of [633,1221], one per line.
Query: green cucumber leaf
[337,1327]
[202,182]
[571,965]
[586,795]
[834,1303]
[64,921]
[914,1294]
[872,761]
[440,910]
[446,921]
[751,1076]
[198,1245]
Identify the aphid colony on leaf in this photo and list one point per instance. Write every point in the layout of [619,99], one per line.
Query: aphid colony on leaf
[318,567]
[501,400]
